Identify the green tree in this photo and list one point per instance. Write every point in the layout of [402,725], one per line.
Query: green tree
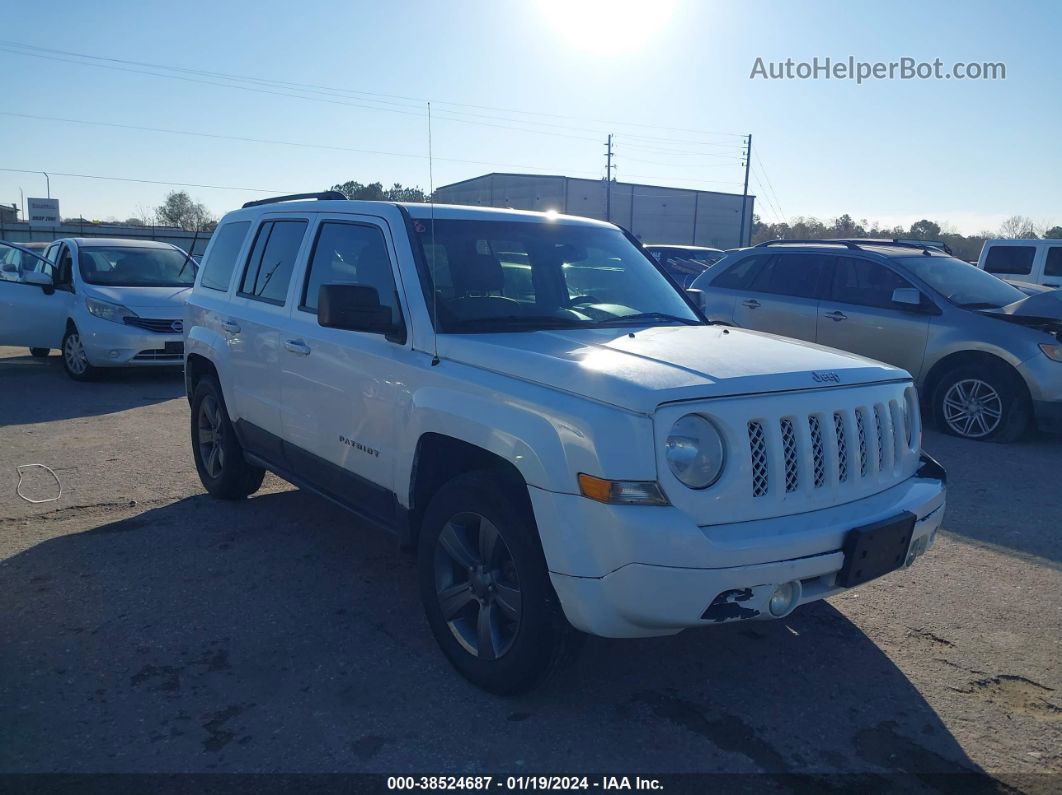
[1054,233]
[375,191]
[178,209]
[925,230]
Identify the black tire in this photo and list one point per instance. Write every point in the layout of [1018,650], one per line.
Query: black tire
[75,361]
[217,452]
[982,403]
[521,652]
[40,353]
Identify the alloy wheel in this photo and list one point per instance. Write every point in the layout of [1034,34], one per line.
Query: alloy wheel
[74,354]
[972,408]
[477,586]
[208,423]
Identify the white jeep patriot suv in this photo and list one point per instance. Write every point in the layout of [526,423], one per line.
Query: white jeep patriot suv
[534,406]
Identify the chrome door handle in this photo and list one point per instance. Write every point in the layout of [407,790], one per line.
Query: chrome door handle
[836,316]
[297,346]
[229,326]
[752,303]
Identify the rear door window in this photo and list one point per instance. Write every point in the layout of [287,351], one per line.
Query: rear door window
[272,260]
[865,283]
[1014,260]
[795,275]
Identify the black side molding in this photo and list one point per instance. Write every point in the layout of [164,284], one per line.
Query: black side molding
[931,468]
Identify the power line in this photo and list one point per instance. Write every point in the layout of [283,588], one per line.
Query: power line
[21,48]
[763,169]
[245,139]
[277,191]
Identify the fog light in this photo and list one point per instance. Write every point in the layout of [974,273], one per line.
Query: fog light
[784,599]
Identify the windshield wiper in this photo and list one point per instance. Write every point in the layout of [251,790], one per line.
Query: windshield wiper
[660,317]
[516,322]
[978,305]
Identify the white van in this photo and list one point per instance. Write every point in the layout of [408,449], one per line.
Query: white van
[1029,261]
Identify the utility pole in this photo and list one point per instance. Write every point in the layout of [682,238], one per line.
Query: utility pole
[747,154]
[48,180]
[608,178]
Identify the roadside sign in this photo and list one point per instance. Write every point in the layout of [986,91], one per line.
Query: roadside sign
[42,212]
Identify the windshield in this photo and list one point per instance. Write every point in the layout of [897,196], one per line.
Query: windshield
[961,283]
[136,267]
[527,275]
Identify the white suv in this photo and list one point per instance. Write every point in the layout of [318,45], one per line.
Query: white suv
[529,401]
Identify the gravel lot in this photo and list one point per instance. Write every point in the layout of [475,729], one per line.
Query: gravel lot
[146,627]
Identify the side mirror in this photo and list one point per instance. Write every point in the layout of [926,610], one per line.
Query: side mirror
[909,296]
[42,280]
[697,296]
[356,307]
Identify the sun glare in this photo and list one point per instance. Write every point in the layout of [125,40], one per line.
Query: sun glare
[607,26]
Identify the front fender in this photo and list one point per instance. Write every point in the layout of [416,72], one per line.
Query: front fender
[549,441]
[202,341]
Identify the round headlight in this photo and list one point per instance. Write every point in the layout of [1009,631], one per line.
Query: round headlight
[695,452]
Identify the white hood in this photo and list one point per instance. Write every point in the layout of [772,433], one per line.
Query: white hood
[170,300]
[664,364]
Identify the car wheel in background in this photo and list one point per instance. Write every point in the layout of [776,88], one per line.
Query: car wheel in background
[217,452]
[40,353]
[985,403]
[485,587]
[75,360]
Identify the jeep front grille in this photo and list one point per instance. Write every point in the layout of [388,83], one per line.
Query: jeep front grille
[813,451]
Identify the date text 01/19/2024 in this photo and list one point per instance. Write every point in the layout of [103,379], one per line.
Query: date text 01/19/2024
[522,783]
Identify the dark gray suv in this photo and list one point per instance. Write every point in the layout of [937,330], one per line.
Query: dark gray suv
[987,358]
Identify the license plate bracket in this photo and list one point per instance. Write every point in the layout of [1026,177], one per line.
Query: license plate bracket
[174,347]
[876,549]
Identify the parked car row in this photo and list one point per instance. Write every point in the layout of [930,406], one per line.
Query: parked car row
[986,357]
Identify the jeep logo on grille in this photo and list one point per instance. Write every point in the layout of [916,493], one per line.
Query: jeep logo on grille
[826,378]
[177,326]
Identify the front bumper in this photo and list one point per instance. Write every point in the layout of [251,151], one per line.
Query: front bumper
[110,344]
[639,598]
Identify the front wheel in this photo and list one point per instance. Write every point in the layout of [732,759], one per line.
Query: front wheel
[485,587]
[75,359]
[981,403]
[218,455]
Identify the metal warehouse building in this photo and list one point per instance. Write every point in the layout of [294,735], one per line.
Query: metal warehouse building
[652,213]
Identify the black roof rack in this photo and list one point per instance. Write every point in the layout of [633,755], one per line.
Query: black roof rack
[326,195]
[856,243]
[780,241]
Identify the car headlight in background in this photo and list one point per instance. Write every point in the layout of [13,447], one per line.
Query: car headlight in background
[1052,351]
[695,451]
[108,311]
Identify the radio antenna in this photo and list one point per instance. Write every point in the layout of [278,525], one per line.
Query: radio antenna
[434,252]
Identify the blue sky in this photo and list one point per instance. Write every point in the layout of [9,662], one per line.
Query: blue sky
[670,79]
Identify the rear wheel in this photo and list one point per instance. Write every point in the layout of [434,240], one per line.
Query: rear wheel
[984,403]
[75,359]
[40,353]
[218,455]
[485,587]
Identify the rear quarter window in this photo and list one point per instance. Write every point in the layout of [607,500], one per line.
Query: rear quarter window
[739,275]
[1015,260]
[218,268]
[1053,263]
